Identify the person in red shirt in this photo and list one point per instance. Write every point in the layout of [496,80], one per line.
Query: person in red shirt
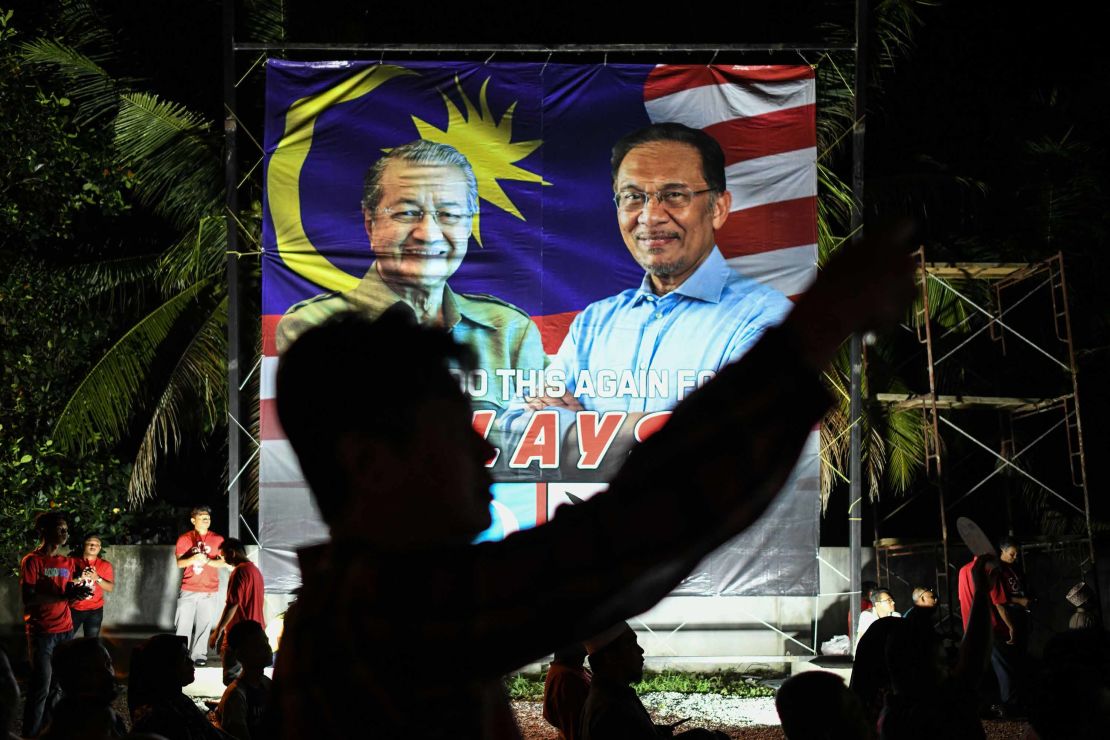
[48,582]
[245,600]
[1002,626]
[565,690]
[100,576]
[198,555]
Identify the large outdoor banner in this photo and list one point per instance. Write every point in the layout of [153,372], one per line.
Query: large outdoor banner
[480,195]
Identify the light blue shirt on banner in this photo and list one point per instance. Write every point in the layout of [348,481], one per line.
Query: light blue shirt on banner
[645,352]
[667,341]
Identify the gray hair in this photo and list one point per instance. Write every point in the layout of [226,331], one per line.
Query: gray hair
[419,152]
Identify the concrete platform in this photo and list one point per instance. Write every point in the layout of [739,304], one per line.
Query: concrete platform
[209,683]
[841,666]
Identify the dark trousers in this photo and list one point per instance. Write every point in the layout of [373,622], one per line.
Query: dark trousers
[1007,661]
[41,690]
[91,619]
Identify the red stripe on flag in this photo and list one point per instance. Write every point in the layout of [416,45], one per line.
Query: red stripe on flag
[760,136]
[269,332]
[788,223]
[553,328]
[269,427]
[541,503]
[668,79]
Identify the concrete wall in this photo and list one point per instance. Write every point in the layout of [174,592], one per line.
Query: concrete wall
[145,594]
[688,632]
[692,631]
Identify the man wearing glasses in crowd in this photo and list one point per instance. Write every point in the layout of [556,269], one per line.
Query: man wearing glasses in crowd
[692,314]
[418,206]
[882,606]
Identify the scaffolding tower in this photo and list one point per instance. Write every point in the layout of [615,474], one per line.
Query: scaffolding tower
[1051,409]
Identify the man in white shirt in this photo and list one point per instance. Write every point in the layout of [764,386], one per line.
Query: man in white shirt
[882,605]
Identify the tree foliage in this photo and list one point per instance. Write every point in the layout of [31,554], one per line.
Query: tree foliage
[54,174]
[893,443]
[164,378]
[48,337]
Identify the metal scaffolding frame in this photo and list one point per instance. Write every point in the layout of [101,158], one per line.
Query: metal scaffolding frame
[1010,285]
[238,53]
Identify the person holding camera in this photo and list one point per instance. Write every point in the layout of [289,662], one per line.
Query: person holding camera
[48,582]
[198,556]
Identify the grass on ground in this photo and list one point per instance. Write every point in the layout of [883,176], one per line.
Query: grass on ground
[529,687]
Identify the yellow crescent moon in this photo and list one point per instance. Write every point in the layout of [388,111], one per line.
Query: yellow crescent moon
[284,175]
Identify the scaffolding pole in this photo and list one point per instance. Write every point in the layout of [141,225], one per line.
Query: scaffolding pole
[936,408]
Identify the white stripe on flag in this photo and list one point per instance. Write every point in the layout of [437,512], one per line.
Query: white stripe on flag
[267,379]
[778,177]
[790,270]
[278,463]
[707,105]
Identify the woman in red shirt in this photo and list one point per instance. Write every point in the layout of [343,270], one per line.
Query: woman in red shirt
[99,575]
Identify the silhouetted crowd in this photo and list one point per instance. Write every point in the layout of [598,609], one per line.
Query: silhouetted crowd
[911,680]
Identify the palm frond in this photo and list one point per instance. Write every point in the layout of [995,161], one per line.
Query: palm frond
[874,465]
[265,20]
[905,449]
[199,254]
[895,22]
[175,159]
[835,427]
[193,400]
[102,405]
[82,26]
[834,210]
[117,279]
[93,90]
[835,103]
[947,310]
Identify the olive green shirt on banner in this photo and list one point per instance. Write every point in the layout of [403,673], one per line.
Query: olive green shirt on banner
[501,335]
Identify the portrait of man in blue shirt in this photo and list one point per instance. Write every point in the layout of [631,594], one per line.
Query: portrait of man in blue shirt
[690,316]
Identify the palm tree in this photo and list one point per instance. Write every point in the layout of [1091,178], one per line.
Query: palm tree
[169,369]
[893,441]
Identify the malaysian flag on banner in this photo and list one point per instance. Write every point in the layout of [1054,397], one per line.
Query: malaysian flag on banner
[546,241]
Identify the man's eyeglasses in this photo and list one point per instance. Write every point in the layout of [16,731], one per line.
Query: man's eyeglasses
[633,201]
[411,216]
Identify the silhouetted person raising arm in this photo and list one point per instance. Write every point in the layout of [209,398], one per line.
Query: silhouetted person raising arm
[384,438]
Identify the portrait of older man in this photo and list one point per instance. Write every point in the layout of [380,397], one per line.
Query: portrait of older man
[418,206]
[692,314]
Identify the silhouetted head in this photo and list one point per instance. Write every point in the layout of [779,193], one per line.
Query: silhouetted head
[616,655]
[84,669]
[915,654]
[248,642]
[382,430]
[572,655]
[816,705]
[160,666]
